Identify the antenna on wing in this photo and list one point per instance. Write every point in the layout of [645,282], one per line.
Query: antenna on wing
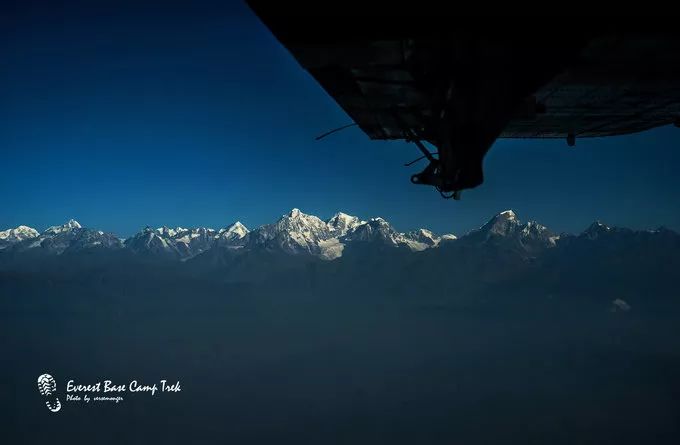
[335,130]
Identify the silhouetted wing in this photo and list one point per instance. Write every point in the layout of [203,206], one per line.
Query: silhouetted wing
[462,86]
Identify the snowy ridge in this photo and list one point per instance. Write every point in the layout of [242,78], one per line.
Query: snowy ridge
[184,243]
[68,237]
[69,226]
[294,233]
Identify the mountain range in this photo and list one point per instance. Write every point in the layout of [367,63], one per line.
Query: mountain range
[297,233]
[294,233]
[351,318]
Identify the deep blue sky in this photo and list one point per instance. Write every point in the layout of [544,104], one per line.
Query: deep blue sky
[123,117]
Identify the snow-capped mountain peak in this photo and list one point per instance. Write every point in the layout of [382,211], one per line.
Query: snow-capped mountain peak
[167,231]
[295,232]
[16,235]
[294,213]
[378,230]
[234,231]
[72,224]
[341,223]
[296,221]
[19,233]
[180,242]
[234,235]
[508,214]
[595,230]
[507,230]
[502,224]
[424,237]
[151,241]
[598,225]
[375,229]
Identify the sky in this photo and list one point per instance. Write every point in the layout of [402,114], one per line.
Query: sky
[122,116]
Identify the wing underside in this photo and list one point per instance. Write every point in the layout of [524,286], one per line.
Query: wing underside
[461,88]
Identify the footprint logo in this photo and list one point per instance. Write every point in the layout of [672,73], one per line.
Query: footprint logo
[47,387]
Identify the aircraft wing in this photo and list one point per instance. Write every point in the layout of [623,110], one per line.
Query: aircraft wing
[460,87]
